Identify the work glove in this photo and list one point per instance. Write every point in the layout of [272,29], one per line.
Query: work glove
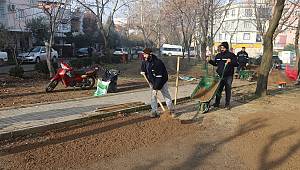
[154,92]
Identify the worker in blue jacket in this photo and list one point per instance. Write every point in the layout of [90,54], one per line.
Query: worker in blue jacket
[225,57]
[157,75]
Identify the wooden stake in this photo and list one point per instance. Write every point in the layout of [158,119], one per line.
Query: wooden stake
[177,79]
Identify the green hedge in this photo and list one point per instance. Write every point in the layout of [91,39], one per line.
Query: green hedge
[86,62]
[16,71]
[82,62]
[42,67]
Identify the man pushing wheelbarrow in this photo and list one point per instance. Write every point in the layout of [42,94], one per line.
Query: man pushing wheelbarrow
[210,87]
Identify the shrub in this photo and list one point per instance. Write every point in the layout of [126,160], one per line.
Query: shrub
[82,62]
[16,71]
[42,67]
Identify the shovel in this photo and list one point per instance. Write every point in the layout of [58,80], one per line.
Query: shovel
[166,113]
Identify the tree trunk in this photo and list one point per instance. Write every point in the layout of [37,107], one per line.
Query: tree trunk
[48,52]
[105,41]
[262,82]
[203,49]
[297,44]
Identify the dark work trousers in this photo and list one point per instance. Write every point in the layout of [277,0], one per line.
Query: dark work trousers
[242,66]
[227,82]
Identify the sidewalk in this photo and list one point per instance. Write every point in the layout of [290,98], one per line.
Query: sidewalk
[16,120]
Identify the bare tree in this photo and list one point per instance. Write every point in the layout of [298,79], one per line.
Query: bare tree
[263,16]
[185,13]
[211,17]
[8,41]
[55,11]
[297,42]
[262,83]
[216,11]
[231,30]
[98,8]
[145,16]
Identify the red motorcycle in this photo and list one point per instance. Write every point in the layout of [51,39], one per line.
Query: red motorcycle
[71,78]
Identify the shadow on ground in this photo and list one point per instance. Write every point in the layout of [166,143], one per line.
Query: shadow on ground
[202,151]
[72,137]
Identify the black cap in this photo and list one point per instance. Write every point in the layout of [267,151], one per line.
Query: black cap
[225,44]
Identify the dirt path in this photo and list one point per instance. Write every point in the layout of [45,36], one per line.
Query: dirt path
[263,134]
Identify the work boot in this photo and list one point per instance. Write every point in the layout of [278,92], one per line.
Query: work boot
[216,105]
[227,106]
[173,114]
[154,115]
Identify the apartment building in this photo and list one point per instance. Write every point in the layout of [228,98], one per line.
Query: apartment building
[13,16]
[238,26]
[15,13]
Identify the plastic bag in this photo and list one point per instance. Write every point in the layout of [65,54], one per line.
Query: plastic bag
[102,87]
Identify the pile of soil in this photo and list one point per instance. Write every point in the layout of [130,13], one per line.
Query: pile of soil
[205,94]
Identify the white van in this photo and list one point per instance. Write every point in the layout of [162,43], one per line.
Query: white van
[193,52]
[171,50]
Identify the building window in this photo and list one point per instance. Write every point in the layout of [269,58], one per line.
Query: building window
[264,12]
[65,27]
[246,36]
[258,38]
[2,12]
[32,1]
[232,24]
[248,12]
[20,14]
[247,24]
[220,36]
[233,13]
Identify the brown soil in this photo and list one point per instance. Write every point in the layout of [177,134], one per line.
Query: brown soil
[273,138]
[79,147]
[165,115]
[204,94]
[18,92]
[259,135]
[262,134]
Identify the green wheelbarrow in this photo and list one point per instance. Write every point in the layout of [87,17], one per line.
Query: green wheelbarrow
[205,91]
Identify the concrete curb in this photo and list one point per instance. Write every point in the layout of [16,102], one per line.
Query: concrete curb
[85,98]
[68,100]
[59,125]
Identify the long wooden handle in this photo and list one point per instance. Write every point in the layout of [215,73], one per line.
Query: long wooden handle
[159,102]
[177,80]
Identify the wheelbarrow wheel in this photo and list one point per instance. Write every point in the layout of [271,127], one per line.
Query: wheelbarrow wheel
[203,108]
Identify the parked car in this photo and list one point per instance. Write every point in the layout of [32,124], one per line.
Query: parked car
[276,62]
[37,54]
[120,51]
[136,52]
[3,56]
[193,52]
[84,52]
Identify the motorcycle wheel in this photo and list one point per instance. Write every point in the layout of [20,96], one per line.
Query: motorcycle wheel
[89,83]
[51,86]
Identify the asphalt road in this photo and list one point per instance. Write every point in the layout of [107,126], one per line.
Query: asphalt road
[26,67]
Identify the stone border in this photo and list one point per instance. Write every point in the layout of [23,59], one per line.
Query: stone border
[85,98]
